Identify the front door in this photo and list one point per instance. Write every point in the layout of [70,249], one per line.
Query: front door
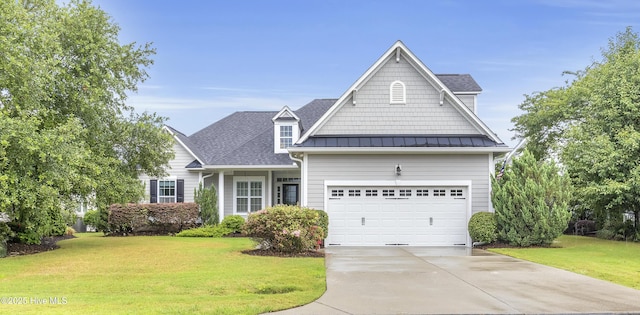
[290,194]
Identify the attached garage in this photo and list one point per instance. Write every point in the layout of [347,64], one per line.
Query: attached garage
[415,215]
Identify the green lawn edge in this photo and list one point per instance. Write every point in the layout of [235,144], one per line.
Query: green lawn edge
[94,274]
[613,261]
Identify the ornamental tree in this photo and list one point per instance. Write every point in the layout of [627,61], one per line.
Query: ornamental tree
[593,126]
[66,132]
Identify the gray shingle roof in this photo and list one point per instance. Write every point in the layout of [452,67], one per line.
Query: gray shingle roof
[459,82]
[398,141]
[246,138]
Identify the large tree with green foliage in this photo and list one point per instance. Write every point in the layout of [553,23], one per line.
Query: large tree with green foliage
[531,202]
[593,126]
[66,132]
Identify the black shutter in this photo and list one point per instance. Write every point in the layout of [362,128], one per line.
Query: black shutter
[180,190]
[153,190]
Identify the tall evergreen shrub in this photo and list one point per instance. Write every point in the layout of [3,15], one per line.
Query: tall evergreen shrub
[207,200]
[531,202]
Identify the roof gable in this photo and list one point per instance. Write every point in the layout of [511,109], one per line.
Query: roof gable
[246,138]
[185,142]
[285,114]
[384,121]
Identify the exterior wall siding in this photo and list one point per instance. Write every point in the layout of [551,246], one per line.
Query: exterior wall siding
[472,167]
[177,170]
[422,113]
[468,100]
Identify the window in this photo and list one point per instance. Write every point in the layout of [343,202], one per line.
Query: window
[397,92]
[388,193]
[371,192]
[248,194]
[337,193]
[405,192]
[439,192]
[456,192]
[286,136]
[354,192]
[166,191]
[422,192]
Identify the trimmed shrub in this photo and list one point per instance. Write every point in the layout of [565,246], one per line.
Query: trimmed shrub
[152,218]
[531,202]
[284,228]
[206,231]
[234,223]
[605,234]
[483,228]
[323,222]
[93,218]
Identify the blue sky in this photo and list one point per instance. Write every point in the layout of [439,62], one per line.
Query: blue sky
[217,57]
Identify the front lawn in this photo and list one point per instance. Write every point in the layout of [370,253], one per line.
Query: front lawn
[93,274]
[614,261]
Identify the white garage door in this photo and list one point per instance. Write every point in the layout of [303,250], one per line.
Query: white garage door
[374,216]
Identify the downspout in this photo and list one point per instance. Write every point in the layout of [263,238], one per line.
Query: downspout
[203,178]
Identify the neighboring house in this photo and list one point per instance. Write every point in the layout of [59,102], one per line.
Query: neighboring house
[400,158]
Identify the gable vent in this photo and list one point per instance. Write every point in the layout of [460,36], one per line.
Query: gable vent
[398,93]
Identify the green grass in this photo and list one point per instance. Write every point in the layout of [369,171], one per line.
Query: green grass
[617,262]
[158,275]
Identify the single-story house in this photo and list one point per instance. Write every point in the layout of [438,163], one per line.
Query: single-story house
[400,158]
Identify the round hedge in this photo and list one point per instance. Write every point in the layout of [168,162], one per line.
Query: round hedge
[233,223]
[483,228]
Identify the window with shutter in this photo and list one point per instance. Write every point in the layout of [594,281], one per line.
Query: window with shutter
[398,93]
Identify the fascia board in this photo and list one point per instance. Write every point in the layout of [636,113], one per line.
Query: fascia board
[183,145]
[396,150]
[282,111]
[251,167]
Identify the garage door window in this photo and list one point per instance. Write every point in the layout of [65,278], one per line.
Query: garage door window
[388,192]
[337,193]
[456,192]
[354,192]
[405,192]
[439,192]
[422,192]
[371,192]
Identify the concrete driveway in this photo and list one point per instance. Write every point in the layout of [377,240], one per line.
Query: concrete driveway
[427,280]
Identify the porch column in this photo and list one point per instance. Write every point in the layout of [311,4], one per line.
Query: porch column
[220,196]
[269,200]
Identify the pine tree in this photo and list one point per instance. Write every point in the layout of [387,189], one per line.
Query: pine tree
[531,202]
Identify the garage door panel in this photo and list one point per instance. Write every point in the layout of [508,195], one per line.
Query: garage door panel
[398,215]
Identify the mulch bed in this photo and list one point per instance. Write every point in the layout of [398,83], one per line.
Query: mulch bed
[48,243]
[270,252]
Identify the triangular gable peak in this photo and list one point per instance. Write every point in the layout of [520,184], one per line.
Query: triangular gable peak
[397,95]
[286,114]
[181,139]
[286,129]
